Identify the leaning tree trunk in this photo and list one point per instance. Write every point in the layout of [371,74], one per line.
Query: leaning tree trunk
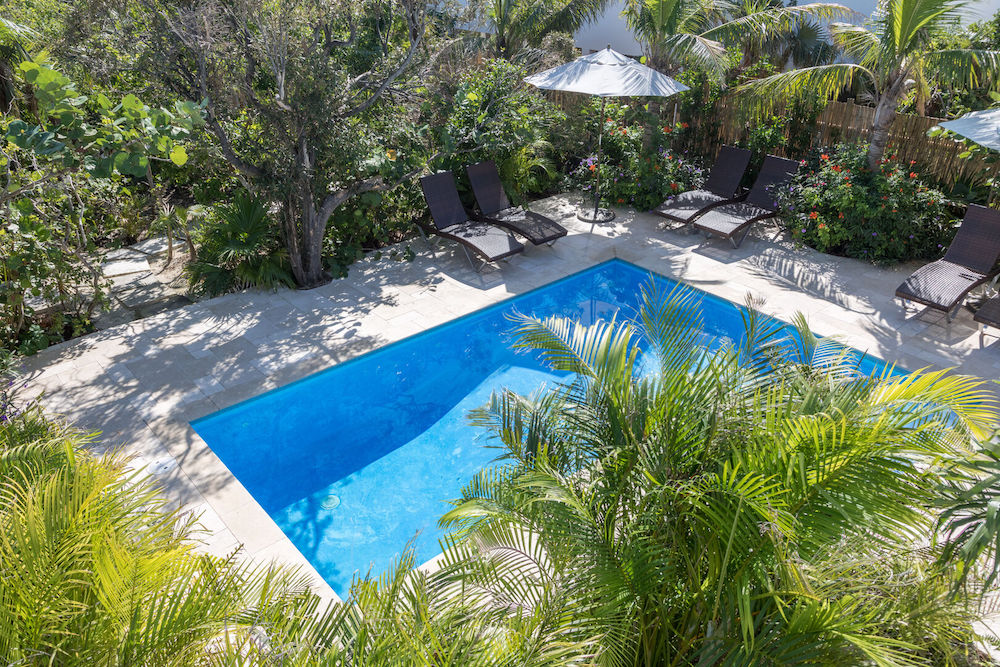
[885,113]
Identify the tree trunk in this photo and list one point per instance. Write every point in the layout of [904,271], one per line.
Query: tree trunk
[885,113]
[305,226]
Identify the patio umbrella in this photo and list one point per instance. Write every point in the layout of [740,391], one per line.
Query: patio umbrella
[982,127]
[606,74]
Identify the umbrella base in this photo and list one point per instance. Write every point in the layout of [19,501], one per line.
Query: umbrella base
[601,216]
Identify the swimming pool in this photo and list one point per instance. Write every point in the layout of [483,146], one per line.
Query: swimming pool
[357,460]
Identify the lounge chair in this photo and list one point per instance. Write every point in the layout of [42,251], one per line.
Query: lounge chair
[732,220]
[721,186]
[968,263]
[451,221]
[988,314]
[495,208]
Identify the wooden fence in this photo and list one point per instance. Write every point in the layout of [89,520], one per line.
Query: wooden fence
[849,122]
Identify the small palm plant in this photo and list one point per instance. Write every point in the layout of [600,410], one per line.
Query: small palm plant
[890,55]
[694,506]
[239,249]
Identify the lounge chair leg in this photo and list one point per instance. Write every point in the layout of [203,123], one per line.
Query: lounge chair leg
[736,244]
[950,315]
[472,263]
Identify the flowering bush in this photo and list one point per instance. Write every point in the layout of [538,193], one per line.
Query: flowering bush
[630,175]
[838,206]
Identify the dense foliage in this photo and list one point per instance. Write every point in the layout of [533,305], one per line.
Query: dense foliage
[63,154]
[493,115]
[837,205]
[758,505]
[238,247]
[638,167]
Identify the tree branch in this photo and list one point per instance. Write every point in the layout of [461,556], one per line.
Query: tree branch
[415,23]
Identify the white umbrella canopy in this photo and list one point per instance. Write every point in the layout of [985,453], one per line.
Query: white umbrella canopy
[982,127]
[606,73]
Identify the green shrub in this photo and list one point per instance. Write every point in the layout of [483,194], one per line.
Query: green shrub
[836,205]
[632,175]
[238,247]
[494,115]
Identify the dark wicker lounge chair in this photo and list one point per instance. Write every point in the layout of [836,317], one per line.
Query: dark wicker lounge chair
[733,220]
[495,208]
[988,314]
[720,188]
[451,221]
[968,263]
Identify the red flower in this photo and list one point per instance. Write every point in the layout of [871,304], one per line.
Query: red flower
[685,125]
[840,215]
[667,130]
[837,167]
[813,215]
[673,186]
[913,174]
[912,162]
[621,201]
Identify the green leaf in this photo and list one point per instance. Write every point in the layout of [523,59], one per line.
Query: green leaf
[178,156]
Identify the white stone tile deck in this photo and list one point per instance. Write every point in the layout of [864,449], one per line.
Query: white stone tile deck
[141,383]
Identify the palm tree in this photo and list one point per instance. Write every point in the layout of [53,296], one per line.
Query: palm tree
[519,23]
[675,32]
[891,54]
[95,570]
[690,506]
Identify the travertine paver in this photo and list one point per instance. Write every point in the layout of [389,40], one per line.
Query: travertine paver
[141,383]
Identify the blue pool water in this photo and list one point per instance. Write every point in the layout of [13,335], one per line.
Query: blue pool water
[357,460]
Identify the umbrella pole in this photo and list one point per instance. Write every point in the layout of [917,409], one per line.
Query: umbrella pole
[598,215]
[600,154]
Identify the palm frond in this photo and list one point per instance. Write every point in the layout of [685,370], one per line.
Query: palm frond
[827,81]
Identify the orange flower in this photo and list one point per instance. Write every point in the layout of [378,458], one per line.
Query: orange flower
[837,168]
[621,201]
[824,156]
[592,168]
[822,226]
[813,215]
[840,215]
[608,120]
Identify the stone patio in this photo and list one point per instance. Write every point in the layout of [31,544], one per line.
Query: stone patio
[141,383]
